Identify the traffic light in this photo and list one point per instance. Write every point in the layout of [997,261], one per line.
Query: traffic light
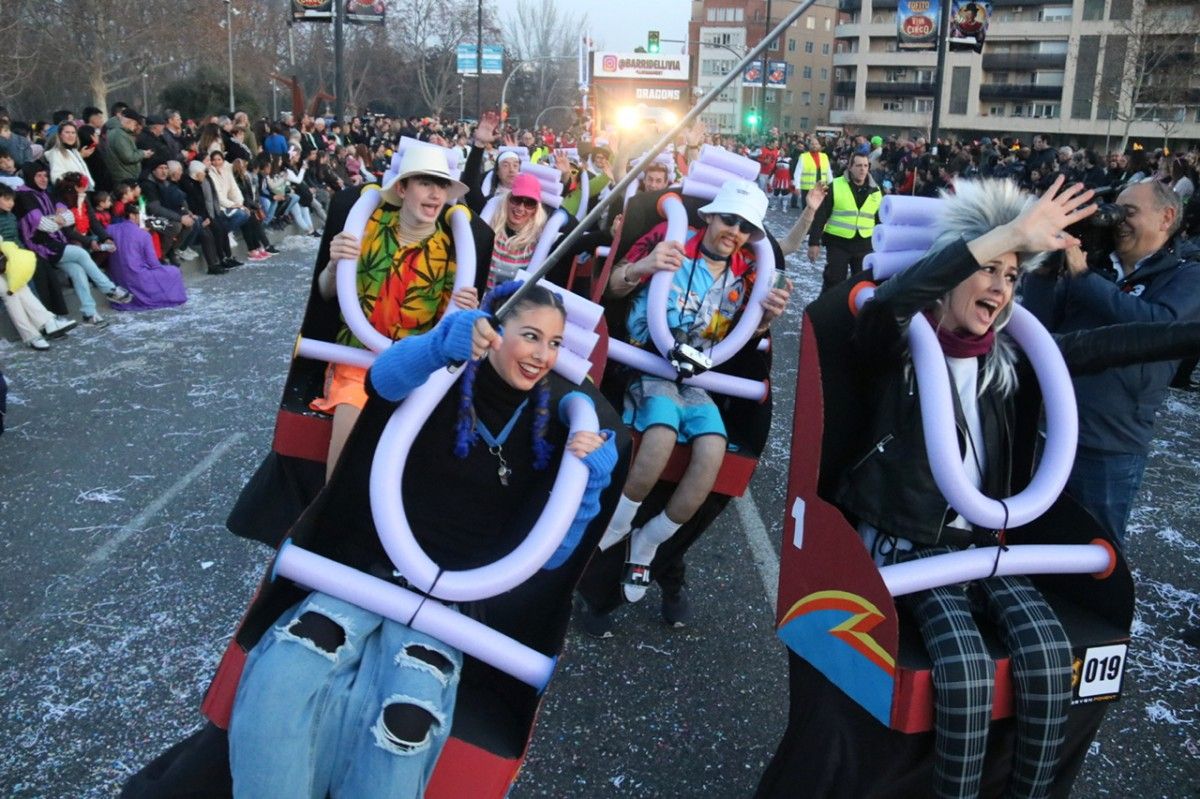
[751,117]
[652,42]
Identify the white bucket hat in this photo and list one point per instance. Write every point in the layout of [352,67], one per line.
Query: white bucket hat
[429,161]
[741,198]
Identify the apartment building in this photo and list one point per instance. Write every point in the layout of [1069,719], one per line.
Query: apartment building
[1075,69]
[721,32]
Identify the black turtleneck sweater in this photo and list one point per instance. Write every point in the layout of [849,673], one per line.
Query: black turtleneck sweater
[458,510]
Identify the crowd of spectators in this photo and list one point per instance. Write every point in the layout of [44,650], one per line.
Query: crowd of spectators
[199,185]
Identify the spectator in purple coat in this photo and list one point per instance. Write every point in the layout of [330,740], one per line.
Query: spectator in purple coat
[152,283]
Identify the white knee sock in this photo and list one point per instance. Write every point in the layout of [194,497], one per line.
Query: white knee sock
[621,521]
[643,546]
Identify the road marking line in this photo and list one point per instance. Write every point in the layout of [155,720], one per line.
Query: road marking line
[761,551]
[138,523]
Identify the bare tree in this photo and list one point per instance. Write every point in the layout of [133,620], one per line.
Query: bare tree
[18,57]
[1160,53]
[428,32]
[115,41]
[544,35]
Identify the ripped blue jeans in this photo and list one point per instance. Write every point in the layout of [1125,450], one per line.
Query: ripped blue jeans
[337,700]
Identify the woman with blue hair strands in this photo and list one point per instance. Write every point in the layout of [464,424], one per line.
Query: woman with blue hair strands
[336,699]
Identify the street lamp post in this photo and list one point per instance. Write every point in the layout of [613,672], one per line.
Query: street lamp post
[520,67]
[229,36]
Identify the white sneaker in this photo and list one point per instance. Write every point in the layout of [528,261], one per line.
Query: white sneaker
[187,254]
[58,327]
[39,343]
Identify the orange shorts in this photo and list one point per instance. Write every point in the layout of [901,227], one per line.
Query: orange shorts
[343,386]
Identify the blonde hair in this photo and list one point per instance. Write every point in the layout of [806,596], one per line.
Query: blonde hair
[975,208]
[525,238]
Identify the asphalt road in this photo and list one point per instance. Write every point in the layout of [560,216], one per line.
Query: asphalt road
[121,586]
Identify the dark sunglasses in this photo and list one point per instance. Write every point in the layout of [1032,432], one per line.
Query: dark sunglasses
[527,202]
[733,220]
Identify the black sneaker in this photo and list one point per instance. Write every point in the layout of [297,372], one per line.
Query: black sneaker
[232,263]
[217,270]
[271,248]
[597,625]
[676,610]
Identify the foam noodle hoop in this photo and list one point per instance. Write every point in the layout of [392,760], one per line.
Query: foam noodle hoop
[387,504]
[941,433]
[717,382]
[975,564]
[671,206]
[347,268]
[941,436]
[584,193]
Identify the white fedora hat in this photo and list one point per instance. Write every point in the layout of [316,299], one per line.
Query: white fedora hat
[428,161]
[741,198]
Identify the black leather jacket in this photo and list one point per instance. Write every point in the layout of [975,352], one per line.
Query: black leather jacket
[891,485]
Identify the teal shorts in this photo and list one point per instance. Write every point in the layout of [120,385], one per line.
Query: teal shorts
[687,410]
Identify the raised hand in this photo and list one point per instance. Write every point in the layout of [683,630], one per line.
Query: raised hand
[485,132]
[816,195]
[1041,226]
[483,338]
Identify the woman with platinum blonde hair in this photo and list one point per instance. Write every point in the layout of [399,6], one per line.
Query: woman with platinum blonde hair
[987,232]
[964,286]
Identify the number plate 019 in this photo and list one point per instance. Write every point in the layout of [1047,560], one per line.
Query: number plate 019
[1101,671]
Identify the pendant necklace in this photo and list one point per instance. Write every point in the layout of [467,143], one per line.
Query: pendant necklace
[496,443]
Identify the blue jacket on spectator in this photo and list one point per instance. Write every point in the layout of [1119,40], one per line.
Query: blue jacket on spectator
[276,144]
[1117,406]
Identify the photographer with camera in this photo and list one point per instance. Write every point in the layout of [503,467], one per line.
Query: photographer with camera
[713,276]
[1152,282]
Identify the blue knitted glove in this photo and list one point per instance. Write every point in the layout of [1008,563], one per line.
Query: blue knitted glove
[600,464]
[403,367]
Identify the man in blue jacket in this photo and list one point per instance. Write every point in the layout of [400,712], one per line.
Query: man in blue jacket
[1117,407]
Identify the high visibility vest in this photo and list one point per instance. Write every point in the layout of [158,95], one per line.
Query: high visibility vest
[812,169]
[848,220]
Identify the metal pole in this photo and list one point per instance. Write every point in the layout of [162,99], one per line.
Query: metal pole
[504,91]
[229,31]
[145,95]
[1108,133]
[274,100]
[479,61]
[765,64]
[593,216]
[538,121]
[339,54]
[938,77]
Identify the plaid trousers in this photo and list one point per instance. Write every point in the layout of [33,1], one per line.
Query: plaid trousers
[964,674]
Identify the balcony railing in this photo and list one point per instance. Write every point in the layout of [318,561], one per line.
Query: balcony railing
[887,88]
[1022,91]
[1024,61]
[845,87]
